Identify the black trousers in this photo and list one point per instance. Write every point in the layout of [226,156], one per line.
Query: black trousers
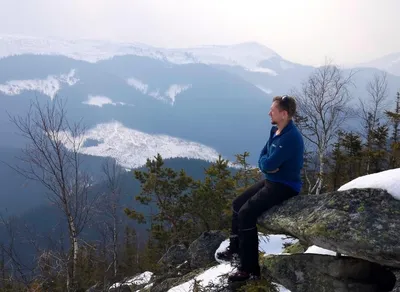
[247,207]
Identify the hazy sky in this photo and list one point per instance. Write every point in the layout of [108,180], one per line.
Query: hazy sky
[305,31]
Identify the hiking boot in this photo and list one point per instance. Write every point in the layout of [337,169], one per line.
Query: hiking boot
[240,275]
[231,252]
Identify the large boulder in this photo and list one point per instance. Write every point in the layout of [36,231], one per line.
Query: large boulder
[361,223]
[314,272]
[202,250]
[175,255]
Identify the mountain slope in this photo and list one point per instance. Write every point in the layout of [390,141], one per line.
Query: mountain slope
[389,63]
[193,102]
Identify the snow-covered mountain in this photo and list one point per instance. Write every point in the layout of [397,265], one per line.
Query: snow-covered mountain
[131,148]
[250,55]
[247,55]
[389,63]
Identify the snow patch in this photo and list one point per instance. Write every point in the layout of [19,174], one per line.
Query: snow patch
[210,276]
[168,96]
[131,148]
[176,89]
[388,180]
[139,85]
[140,279]
[49,86]
[99,100]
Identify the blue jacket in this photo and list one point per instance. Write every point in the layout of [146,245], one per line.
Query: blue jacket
[284,151]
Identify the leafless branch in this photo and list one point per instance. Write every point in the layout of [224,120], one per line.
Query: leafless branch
[322,109]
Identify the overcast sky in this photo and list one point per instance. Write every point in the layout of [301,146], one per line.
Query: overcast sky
[304,31]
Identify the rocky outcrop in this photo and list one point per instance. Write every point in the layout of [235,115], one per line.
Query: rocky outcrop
[361,223]
[314,272]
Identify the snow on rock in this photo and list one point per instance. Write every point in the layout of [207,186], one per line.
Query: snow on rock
[319,250]
[140,279]
[131,148]
[49,86]
[210,276]
[388,180]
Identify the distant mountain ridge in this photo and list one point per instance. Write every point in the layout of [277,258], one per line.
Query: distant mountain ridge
[389,63]
[248,55]
[251,56]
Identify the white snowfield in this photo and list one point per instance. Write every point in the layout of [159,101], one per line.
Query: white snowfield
[247,55]
[49,86]
[131,147]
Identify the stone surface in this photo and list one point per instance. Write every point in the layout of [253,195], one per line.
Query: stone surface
[362,223]
[313,272]
[202,250]
[176,255]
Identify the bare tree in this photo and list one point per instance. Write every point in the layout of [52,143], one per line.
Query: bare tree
[52,158]
[322,109]
[371,109]
[111,204]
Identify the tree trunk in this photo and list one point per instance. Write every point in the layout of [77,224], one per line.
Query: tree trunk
[71,279]
[321,173]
